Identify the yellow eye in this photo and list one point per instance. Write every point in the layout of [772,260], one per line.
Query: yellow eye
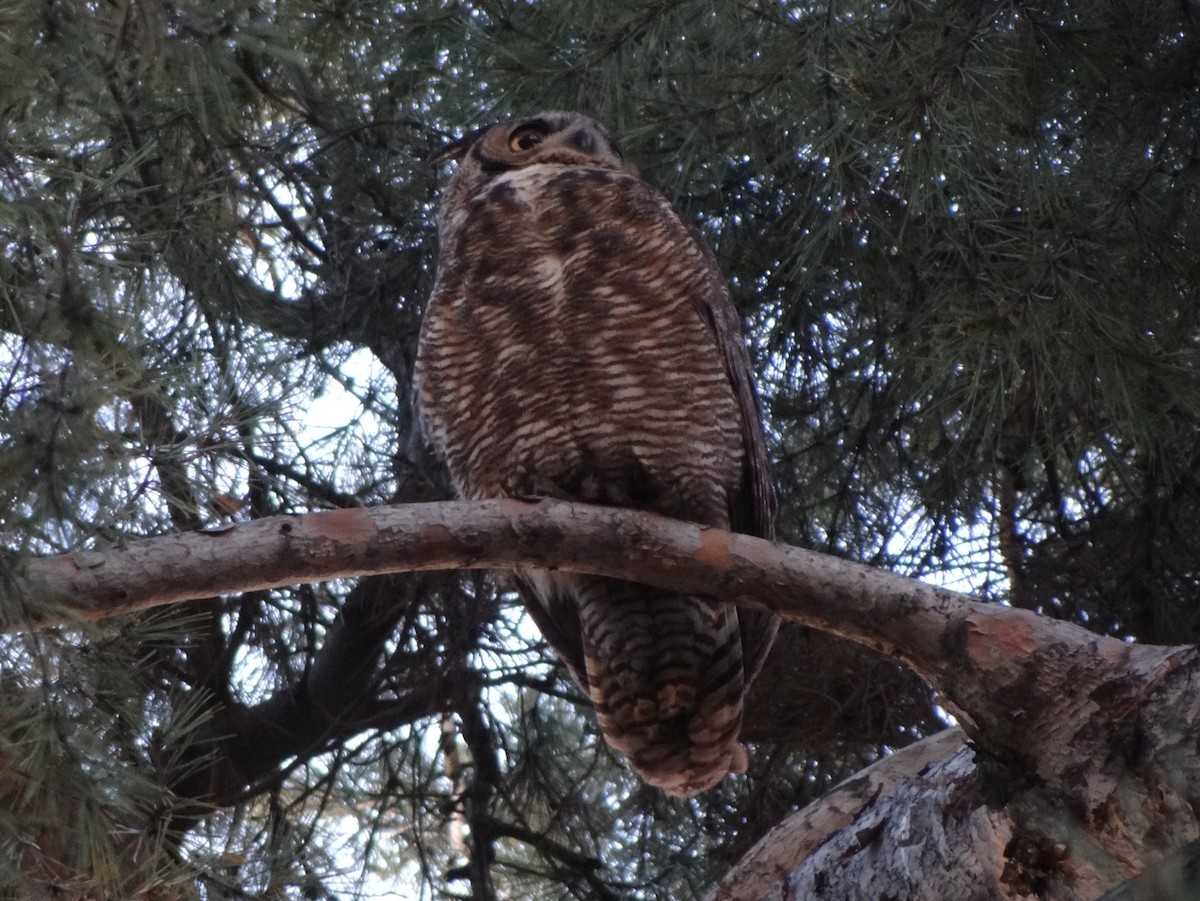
[524,139]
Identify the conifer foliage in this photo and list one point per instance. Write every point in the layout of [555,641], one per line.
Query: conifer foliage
[966,243]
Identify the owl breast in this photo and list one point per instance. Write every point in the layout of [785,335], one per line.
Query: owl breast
[573,352]
[577,346]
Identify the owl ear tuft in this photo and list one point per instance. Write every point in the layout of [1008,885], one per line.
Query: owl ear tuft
[457,148]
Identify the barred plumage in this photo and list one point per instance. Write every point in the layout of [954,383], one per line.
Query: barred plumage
[581,343]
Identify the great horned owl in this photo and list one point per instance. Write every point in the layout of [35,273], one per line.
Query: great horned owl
[581,343]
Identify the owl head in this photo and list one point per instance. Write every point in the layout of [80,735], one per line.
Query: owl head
[553,138]
[568,139]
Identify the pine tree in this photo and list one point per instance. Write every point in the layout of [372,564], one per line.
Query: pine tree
[964,240]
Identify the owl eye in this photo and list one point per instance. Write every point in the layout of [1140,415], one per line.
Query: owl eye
[524,139]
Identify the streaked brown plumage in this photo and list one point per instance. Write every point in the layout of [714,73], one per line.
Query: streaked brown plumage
[581,343]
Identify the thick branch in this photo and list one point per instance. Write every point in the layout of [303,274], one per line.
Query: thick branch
[802,834]
[994,665]
[1051,710]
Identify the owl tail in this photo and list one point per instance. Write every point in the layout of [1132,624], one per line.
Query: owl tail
[665,674]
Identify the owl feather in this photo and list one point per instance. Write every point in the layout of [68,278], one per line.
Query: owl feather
[581,343]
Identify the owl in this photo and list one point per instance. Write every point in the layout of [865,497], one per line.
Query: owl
[581,343]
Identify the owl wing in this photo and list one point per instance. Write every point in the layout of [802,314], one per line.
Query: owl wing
[752,509]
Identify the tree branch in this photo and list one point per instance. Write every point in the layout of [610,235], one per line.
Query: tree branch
[800,835]
[994,666]
[1051,711]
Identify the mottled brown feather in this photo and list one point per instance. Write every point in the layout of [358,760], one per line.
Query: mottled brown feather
[581,343]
